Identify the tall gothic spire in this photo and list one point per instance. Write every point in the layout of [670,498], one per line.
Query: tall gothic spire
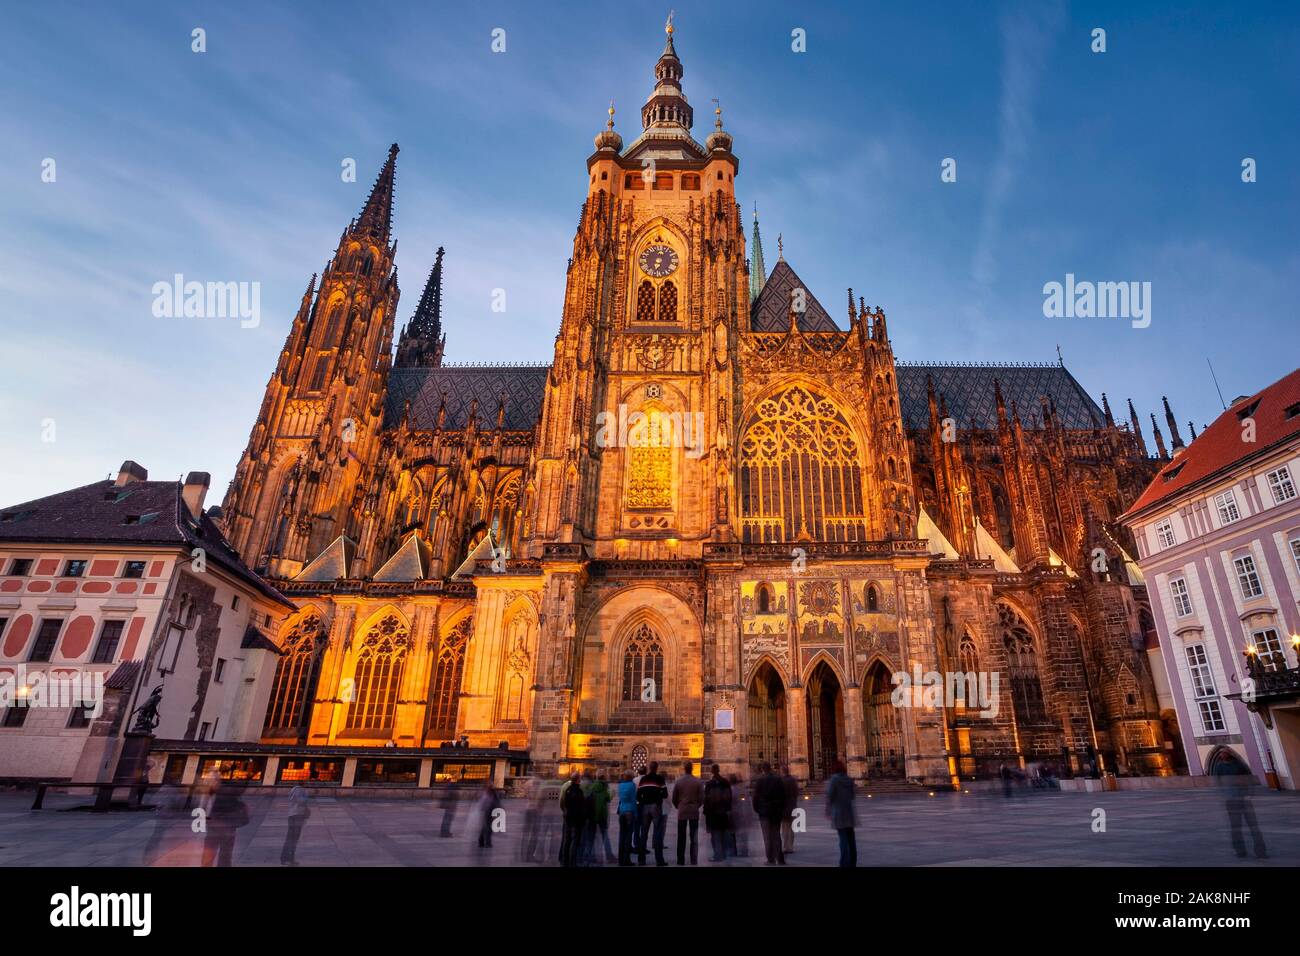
[376,219]
[422,338]
[1137,427]
[1175,439]
[1160,439]
[757,271]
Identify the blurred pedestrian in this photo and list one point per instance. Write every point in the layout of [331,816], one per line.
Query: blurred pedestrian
[299,811]
[840,794]
[738,820]
[769,806]
[228,814]
[791,785]
[717,813]
[450,802]
[489,802]
[626,817]
[598,797]
[688,795]
[1237,782]
[651,793]
[573,806]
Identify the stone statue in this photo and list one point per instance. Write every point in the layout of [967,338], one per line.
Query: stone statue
[147,713]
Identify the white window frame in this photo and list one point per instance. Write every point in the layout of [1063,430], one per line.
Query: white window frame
[1295,553]
[1280,484]
[1226,503]
[1165,535]
[1180,596]
[1268,650]
[1201,675]
[1248,580]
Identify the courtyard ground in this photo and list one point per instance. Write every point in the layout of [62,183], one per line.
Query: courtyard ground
[1167,828]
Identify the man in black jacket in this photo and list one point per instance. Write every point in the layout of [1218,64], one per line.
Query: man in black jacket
[651,792]
[769,804]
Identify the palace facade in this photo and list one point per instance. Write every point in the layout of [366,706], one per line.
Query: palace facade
[795,516]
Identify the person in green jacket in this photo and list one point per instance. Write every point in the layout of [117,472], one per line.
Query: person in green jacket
[598,796]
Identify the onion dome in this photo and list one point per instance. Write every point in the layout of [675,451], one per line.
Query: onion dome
[719,140]
[607,138]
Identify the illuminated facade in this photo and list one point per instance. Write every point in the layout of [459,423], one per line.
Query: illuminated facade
[715,525]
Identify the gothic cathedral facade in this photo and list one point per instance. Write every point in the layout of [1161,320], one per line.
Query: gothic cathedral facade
[715,526]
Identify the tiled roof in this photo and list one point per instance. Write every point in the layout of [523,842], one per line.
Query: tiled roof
[1219,447]
[771,310]
[523,385]
[124,675]
[968,390]
[139,512]
[254,638]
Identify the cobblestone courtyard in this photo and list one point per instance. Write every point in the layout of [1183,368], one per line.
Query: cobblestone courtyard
[1184,827]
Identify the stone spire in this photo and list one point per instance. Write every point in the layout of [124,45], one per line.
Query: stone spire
[376,219]
[422,339]
[1176,440]
[1105,407]
[757,271]
[1137,428]
[667,104]
[1160,438]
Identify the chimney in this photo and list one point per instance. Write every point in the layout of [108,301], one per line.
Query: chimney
[129,472]
[195,490]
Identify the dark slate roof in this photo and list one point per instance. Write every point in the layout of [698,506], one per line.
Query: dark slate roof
[139,512]
[968,390]
[771,310]
[255,639]
[124,675]
[523,385]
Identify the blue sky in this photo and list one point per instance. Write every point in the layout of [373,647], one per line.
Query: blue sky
[225,166]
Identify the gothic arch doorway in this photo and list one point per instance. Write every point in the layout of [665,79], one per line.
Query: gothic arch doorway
[825,718]
[767,721]
[885,756]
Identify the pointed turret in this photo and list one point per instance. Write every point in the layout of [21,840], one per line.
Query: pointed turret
[757,271]
[422,339]
[1137,427]
[1160,438]
[1105,407]
[376,219]
[1192,429]
[1176,440]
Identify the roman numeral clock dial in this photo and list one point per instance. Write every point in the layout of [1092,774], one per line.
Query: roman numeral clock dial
[658,261]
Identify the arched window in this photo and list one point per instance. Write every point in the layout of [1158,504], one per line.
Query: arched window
[505,510]
[645,302]
[890,470]
[873,598]
[643,660]
[377,679]
[413,501]
[435,507]
[800,472]
[332,326]
[318,373]
[1022,662]
[968,655]
[448,669]
[640,759]
[295,674]
[764,599]
[668,302]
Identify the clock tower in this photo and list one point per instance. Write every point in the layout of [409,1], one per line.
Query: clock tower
[636,434]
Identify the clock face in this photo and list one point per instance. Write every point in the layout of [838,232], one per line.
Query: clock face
[658,261]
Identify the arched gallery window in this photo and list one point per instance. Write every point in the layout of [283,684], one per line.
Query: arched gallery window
[289,705]
[800,472]
[643,660]
[873,598]
[1022,662]
[377,679]
[448,670]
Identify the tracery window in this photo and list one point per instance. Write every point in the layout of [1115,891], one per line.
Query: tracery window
[1022,661]
[801,472]
[295,675]
[505,511]
[643,660]
[448,670]
[650,461]
[377,679]
[413,505]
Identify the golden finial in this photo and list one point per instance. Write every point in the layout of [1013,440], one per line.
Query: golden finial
[611,115]
[668,27]
[718,113]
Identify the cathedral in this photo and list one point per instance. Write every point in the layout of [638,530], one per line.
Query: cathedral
[714,527]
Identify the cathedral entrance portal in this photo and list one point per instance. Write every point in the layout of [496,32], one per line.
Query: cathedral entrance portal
[825,718]
[884,735]
[767,726]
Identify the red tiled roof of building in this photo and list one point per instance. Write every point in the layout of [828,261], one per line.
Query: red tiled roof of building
[1220,447]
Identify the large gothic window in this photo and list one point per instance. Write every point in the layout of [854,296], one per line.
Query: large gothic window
[1022,661]
[377,679]
[505,512]
[295,673]
[650,461]
[645,301]
[800,472]
[643,660]
[448,670]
